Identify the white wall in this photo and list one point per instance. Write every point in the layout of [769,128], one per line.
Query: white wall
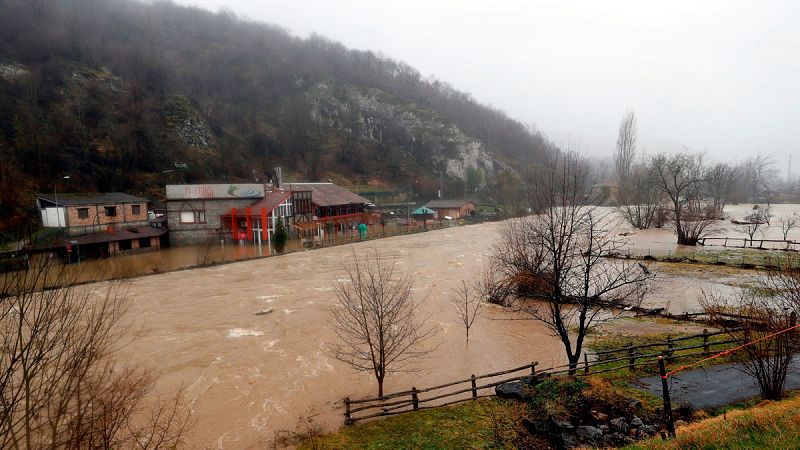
[53,217]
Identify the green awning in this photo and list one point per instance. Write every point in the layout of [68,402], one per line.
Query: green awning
[422,211]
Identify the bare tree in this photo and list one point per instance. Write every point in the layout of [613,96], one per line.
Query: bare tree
[749,228]
[558,259]
[376,318]
[680,178]
[494,287]
[59,385]
[769,308]
[788,223]
[720,179]
[639,198]
[626,146]
[758,170]
[765,215]
[468,305]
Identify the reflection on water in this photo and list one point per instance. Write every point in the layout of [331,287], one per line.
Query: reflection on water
[170,259]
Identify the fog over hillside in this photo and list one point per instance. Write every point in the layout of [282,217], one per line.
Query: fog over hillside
[713,76]
[119,94]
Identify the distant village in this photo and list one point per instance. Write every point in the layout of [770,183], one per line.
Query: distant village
[79,226]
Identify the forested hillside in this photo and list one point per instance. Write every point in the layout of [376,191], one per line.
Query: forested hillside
[122,95]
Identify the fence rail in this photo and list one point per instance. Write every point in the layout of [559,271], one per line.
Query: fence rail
[786,244]
[469,389]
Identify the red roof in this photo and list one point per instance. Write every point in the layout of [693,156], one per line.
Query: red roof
[270,201]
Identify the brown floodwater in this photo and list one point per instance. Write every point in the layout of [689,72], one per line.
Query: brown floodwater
[247,376]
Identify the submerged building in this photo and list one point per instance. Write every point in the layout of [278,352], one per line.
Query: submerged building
[205,213]
[96,225]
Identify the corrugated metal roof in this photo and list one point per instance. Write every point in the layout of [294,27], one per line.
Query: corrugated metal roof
[327,194]
[447,203]
[105,198]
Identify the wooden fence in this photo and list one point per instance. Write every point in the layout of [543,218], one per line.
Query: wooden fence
[469,389]
[748,243]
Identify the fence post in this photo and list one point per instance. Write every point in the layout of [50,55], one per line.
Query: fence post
[474,387]
[705,341]
[585,363]
[533,370]
[669,347]
[347,419]
[631,358]
[665,393]
[414,398]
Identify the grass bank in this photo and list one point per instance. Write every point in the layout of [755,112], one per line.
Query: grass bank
[766,425]
[481,424]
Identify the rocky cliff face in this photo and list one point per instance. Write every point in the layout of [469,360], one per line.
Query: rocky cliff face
[187,124]
[373,114]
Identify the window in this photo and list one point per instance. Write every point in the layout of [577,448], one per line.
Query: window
[111,211]
[136,209]
[83,213]
[193,216]
[127,244]
[144,242]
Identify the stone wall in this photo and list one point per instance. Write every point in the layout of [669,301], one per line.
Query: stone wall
[200,233]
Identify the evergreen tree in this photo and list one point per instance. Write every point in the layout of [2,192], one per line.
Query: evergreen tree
[280,236]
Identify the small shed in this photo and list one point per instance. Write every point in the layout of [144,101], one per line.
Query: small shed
[453,208]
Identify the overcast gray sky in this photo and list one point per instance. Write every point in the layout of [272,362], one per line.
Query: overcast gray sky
[720,77]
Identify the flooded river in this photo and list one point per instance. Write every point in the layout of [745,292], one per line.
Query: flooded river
[248,376]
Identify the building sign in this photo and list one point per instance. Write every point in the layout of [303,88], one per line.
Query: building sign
[214,191]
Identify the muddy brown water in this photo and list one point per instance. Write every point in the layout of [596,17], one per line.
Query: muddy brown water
[247,376]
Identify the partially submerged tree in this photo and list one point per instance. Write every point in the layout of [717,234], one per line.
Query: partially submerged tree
[749,228]
[765,311]
[281,236]
[376,319]
[720,180]
[59,385]
[680,177]
[558,259]
[468,304]
[639,198]
[788,223]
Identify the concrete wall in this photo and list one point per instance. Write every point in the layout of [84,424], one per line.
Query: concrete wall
[200,233]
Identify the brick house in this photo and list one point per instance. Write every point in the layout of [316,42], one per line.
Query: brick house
[91,213]
[102,224]
[456,209]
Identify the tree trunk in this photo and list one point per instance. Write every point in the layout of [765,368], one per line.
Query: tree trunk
[573,363]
